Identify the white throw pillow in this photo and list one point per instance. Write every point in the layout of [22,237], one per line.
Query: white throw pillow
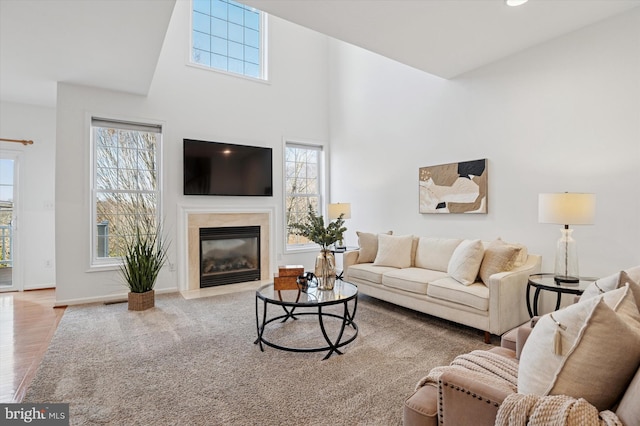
[498,257]
[368,244]
[465,261]
[394,250]
[605,284]
[598,354]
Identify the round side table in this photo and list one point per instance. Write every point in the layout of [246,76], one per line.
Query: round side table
[546,282]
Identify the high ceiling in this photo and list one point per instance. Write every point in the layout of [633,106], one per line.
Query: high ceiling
[115,44]
[444,37]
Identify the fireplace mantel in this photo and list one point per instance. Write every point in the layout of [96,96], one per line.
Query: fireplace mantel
[194,219]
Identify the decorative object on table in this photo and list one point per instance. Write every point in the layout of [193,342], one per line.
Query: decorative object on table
[335,210]
[287,276]
[314,229]
[306,281]
[454,188]
[325,270]
[566,209]
[145,254]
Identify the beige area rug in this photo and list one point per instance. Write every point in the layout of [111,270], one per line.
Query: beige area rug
[193,362]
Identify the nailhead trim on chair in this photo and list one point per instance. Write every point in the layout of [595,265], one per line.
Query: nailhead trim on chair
[440,416]
[458,388]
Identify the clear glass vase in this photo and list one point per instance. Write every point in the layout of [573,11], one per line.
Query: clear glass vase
[325,270]
[566,269]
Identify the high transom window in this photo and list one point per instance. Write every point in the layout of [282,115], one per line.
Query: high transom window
[228,36]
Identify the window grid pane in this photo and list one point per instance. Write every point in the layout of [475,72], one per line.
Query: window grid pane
[302,185]
[126,191]
[226,36]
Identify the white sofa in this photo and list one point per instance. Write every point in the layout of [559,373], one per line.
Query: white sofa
[470,282]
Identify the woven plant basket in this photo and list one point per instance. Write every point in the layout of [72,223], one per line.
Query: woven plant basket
[141,301]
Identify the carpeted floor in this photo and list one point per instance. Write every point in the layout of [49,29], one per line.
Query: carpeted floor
[193,362]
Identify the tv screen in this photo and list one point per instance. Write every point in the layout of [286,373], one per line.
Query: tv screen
[215,168]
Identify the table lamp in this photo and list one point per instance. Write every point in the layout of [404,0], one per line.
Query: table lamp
[566,209]
[335,209]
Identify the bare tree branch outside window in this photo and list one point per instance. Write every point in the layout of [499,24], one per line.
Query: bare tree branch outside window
[126,186]
[302,181]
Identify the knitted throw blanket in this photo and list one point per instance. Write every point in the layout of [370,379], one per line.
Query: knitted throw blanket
[485,366]
[518,409]
[534,410]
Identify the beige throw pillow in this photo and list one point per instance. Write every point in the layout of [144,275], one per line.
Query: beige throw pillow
[599,353]
[368,244]
[634,273]
[624,301]
[628,410]
[435,253]
[498,257]
[394,251]
[465,261]
[635,290]
[523,256]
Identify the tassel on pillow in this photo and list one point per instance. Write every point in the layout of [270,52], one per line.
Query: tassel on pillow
[557,342]
[557,337]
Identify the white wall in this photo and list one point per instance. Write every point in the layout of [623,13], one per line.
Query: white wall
[563,116]
[35,267]
[192,103]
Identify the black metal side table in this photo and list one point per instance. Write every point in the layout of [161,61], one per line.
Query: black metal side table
[546,282]
[342,251]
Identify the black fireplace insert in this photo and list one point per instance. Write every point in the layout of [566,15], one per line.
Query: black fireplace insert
[229,255]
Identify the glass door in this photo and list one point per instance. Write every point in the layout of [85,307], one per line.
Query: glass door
[8,221]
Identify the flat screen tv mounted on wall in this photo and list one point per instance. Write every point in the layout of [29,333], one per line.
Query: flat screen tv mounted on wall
[216,168]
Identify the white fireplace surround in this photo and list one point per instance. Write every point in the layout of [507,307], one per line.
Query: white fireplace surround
[194,218]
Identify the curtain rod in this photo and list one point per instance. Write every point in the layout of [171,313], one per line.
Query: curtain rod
[22,141]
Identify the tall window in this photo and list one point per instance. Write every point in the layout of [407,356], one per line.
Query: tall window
[7,206]
[125,187]
[303,183]
[228,36]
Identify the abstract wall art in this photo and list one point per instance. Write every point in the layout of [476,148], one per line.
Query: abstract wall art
[454,188]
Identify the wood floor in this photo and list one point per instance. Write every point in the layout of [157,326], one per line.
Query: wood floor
[28,321]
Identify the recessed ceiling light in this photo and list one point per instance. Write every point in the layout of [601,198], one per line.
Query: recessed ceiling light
[515,2]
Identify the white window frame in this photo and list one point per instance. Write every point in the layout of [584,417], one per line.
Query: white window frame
[322,185]
[99,263]
[264,62]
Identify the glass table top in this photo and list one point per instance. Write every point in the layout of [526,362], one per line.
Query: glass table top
[342,291]
[547,280]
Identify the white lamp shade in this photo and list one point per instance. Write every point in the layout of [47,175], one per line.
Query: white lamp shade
[336,208]
[567,208]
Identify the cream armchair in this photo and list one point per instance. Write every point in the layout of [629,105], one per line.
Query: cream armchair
[465,398]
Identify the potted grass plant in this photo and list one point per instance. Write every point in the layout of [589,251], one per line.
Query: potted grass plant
[145,254]
[313,228]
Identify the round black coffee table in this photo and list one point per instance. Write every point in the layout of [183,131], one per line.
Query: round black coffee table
[310,302]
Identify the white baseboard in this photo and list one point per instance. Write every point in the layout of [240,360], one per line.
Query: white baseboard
[111,298]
